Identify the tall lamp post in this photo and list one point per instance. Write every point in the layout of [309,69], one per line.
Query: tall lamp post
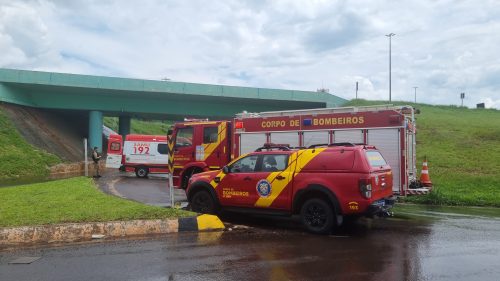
[415,94]
[390,37]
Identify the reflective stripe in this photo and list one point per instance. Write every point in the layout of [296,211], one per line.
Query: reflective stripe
[296,163]
[214,184]
[424,172]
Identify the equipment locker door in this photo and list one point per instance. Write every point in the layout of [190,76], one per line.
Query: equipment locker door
[352,136]
[250,142]
[387,142]
[290,138]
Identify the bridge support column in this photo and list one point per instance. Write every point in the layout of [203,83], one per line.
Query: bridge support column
[95,130]
[124,126]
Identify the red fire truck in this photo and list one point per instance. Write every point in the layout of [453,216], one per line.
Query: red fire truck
[209,145]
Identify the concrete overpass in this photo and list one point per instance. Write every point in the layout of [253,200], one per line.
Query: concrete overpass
[126,98]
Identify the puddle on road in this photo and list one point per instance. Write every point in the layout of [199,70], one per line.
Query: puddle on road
[409,211]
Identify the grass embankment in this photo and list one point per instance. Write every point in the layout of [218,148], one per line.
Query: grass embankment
[140,126]
[463,150]
[71,200]
[18,159]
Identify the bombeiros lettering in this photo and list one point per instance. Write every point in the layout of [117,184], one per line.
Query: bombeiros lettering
[338,121]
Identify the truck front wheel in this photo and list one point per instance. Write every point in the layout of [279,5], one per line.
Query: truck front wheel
[141,172]
[202,202]
[317,216]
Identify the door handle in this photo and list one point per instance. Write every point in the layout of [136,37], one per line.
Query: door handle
[247,179]
[280,177]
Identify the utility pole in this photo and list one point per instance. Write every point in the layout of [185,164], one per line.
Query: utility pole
[415,94]
[356,89]
[390,66]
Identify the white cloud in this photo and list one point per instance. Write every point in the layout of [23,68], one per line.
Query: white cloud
[490,103]
[443,47]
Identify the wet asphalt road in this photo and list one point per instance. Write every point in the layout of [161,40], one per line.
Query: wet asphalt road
[152,190]
[419,244]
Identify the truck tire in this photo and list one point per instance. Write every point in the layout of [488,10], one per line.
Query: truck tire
[202,202]
[317,216]
[187,175]
[141,172]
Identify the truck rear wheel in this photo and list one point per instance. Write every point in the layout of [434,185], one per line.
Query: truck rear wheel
[317,216]
[141,172]
[202,202]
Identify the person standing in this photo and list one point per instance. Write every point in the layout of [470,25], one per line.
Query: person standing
[96,156]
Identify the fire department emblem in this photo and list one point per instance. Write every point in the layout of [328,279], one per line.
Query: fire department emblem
[264,188]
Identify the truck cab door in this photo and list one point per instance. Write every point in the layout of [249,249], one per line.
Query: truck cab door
[274,182]
[184,149]
[262,181]
[236,187]
[215,145]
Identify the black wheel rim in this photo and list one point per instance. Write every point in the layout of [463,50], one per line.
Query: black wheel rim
[316,216]
[202,203]
[141,172]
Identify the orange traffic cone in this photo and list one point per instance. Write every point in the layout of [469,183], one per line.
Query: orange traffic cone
[425,180]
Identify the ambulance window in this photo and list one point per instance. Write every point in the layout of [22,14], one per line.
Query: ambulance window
[244,165]
[162,148]
[184,137]
[210,134]
[115,146]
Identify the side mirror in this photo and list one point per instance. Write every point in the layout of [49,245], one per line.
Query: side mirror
[225,170]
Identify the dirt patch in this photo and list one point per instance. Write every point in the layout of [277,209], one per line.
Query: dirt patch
[55,131]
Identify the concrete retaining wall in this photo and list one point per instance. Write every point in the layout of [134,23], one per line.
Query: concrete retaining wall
[72,232]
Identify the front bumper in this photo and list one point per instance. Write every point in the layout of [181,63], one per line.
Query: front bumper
[381,208]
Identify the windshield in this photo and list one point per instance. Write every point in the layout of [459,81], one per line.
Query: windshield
[375,158]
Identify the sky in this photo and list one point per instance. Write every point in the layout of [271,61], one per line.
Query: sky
[442,47]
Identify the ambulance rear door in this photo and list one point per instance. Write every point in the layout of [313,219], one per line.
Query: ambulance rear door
[115,149]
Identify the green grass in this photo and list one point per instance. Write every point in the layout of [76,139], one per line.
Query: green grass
[71,200]
[141,126]
[463,149]
[18,159]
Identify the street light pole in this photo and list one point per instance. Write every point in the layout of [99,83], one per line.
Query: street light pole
[415,94]
[390,74]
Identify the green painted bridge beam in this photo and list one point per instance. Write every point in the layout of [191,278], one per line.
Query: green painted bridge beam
[95,129]
[149,99]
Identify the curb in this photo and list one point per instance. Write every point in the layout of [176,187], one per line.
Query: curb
[72,232]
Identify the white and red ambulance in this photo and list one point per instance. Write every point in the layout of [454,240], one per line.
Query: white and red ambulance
[142,154]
